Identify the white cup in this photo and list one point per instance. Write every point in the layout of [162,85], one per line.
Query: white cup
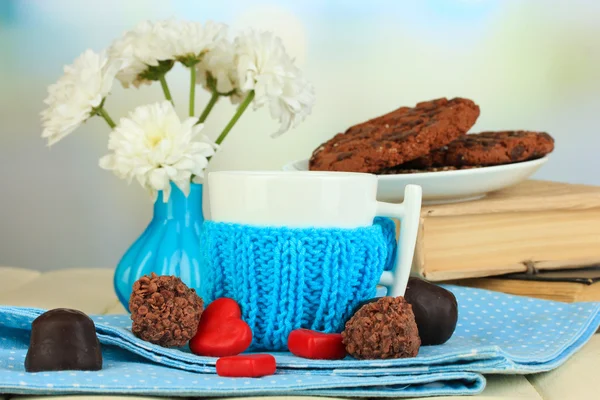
[305,199]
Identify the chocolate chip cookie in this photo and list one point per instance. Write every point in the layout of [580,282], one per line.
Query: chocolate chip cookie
[486,149]
[397,137]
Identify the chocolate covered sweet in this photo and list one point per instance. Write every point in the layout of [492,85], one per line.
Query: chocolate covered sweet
[362,303]
[382,329]
[164,310]
[435,309]
[63,339]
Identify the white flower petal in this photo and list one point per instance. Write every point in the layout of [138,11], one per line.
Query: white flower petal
[73,97]
[198,179]
[145,45]
[186,164]
[107,162]
[184,185]
[191,38]
[200,164]
[219,63]
[166,193]
[263,65]
[159,179]
[156,148]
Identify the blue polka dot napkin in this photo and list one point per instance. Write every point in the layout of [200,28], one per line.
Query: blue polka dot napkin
[496,333]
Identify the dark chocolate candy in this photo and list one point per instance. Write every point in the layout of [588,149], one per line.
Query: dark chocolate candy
[435,309]
[63,339]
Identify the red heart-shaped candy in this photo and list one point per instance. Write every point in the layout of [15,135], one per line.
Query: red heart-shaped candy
[316,345]
[221,331]
[250,366]
[220,309]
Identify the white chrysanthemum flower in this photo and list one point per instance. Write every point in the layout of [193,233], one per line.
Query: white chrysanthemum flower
[73,98]
[294,103]
[143,47]
[190,40]
[261,61]
[291,103]
[154,146]
[219,65]
[264,66]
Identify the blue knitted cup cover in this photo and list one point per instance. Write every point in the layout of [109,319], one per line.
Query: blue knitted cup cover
[285,279]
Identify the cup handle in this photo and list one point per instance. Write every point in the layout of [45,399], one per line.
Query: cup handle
[409,214]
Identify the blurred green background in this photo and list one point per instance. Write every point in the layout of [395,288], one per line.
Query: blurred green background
[529,64]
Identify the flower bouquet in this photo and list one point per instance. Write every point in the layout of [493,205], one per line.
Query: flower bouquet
[167,154]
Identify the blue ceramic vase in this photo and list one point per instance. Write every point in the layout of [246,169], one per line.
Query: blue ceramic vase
[170,245]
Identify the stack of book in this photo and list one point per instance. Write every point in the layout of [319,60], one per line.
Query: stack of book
[539,239]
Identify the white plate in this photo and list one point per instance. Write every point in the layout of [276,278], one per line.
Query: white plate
[449,186]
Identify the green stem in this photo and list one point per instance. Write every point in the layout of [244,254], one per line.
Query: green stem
[102,112]
[237,116]
[208,108]
[165,88]
[192,89]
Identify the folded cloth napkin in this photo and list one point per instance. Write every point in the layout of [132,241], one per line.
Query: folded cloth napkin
[496,333]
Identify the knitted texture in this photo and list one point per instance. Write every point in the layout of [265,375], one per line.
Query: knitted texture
[285,279]
[388,228]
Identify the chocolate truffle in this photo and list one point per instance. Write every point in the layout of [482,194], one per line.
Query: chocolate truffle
[382,329]
[363,303]
[63,339]
[164,310]
[435,309]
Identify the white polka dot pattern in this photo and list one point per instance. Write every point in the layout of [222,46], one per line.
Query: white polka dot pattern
[496,333]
